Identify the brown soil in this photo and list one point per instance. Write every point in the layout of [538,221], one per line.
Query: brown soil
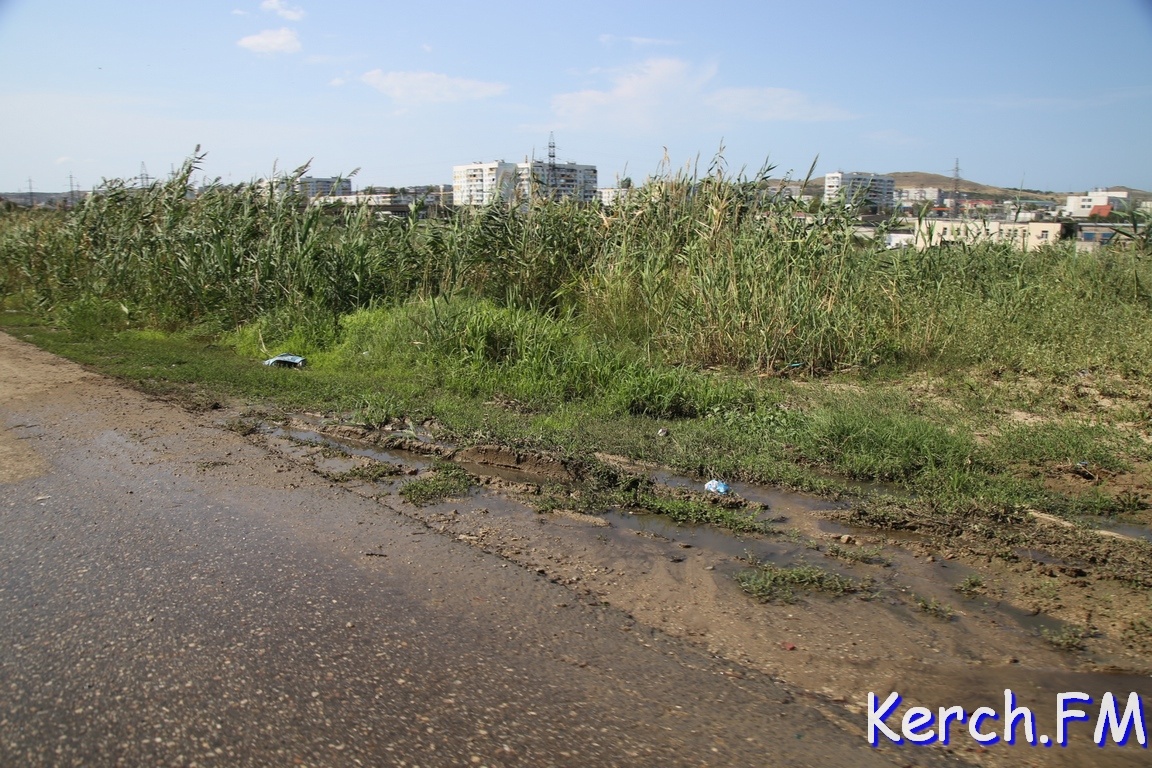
[1046,606]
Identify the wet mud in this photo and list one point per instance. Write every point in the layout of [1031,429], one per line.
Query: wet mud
[944,614]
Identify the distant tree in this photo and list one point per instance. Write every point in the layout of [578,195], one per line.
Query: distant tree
[626,182]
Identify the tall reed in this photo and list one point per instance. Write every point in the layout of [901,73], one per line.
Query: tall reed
[694,270]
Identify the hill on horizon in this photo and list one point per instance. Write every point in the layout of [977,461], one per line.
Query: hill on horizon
[906,179]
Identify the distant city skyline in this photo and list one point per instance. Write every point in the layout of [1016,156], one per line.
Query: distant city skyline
[1041,95]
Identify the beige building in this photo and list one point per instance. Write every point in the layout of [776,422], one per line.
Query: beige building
[1029,235]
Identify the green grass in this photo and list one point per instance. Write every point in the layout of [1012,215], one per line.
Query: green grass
[446,480]
[933,607]
[774,583]
[866,555]
[1068,638]
[971,586]
[774,346]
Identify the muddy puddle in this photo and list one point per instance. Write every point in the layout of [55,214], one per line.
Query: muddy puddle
[942,627]
[1127,530]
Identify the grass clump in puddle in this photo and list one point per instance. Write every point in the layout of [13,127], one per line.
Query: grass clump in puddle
[865,555]
[446,480]
[1069,638]
[691,512]
[773,583]
[971,586]
[372,473]
[934,608]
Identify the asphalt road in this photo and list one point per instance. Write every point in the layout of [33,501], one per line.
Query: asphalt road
[171,594]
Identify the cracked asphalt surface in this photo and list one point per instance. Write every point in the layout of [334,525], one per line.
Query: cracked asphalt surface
[171,594]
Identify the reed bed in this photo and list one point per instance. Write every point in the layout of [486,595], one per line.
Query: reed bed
[689,272]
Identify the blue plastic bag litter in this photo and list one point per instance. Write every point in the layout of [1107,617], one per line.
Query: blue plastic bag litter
[716,486]
[286,360]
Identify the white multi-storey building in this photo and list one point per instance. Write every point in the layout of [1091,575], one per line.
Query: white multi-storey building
[572,180]
[854,187]
[311,186]
[934,195]
[482,183]
[1081,206]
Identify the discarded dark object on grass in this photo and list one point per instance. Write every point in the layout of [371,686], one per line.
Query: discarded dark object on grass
[286,360]
[716,486]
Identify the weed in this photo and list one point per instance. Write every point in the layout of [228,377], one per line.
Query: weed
[774,583]
[693,512]
[1068,638]
[971,586]
[373,473]
[446,480]
[243,425]
[1138,635]
[933,607]
[866,555]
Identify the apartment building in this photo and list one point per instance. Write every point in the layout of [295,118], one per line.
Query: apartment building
[482,183]
[1096,201]
[312,186]
[855,187]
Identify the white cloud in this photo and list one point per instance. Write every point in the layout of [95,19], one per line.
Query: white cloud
[281,40]
[238,12]
[635,42]
[653,93]
[772,104]
[662,92]
[336,82]
[283,11]
[63,159]
[430,87]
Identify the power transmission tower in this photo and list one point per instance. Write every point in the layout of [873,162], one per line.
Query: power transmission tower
[71,192]
[956,189]
[145,179]
[551,178]
[31,200]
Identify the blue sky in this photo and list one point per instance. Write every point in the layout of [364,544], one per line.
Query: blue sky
[1048,94]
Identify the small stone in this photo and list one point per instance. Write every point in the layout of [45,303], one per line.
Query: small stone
[349,625]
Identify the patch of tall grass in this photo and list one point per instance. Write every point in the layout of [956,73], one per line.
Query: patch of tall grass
[688,273]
